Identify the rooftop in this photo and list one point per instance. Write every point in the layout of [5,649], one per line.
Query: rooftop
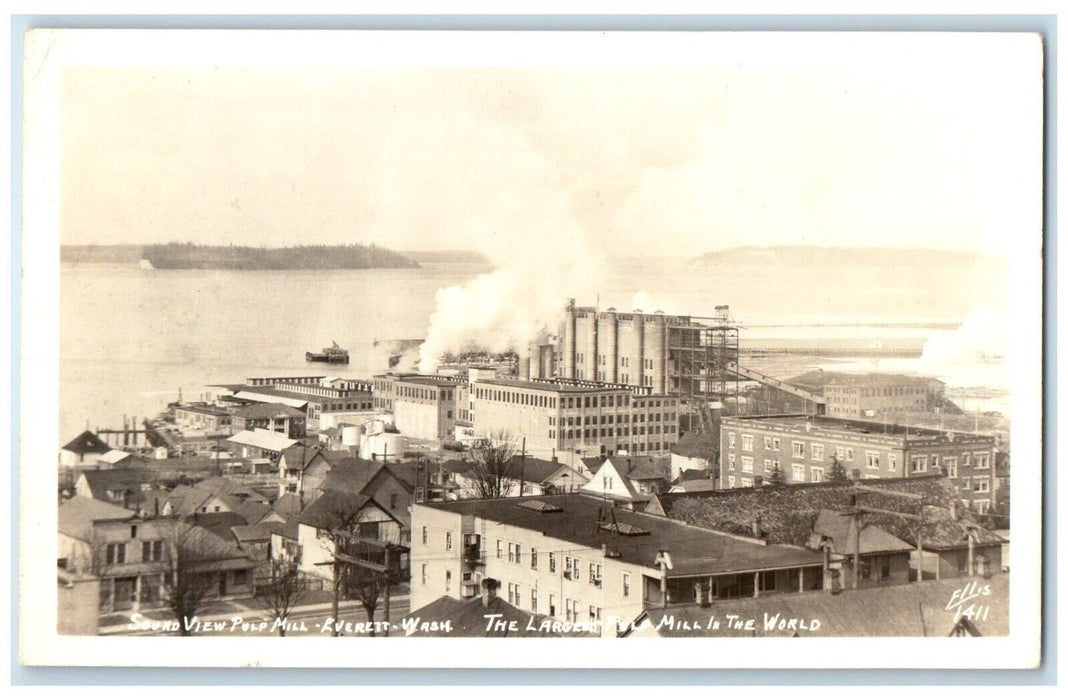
[579,520]
[86,443]
[799,422]
[840,528]
[267,410]
[569,386]
[102,480]
[266,440]
[914,610]
[820,378]
[76,516]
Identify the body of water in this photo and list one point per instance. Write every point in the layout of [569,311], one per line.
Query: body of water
[131,338]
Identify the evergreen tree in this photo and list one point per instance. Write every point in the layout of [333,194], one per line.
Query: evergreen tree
[838,470]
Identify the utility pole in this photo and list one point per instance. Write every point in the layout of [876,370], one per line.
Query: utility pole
[523,466]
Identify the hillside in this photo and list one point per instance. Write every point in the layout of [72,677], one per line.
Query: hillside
[187,256]
[841,257]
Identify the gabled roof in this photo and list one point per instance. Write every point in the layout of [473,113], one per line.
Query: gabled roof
[113,457]
[252,511]
[185,500]
[350,476]
[256,533]
[840,528]
[287,505]
[467,618]
[219,524]
[536,471]
[643,467]
[76,516]
[87,443]
[322,514]
[100,481]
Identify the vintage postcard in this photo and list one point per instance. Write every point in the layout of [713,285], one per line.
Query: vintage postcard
[574,349]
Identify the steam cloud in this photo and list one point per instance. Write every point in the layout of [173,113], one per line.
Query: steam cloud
[982,336]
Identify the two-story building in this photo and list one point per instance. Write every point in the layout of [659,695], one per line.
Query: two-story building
[808,449]
[275,417]
[576,559]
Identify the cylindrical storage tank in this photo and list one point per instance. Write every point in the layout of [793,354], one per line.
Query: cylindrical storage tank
[569,340]
[610,343]
[524,364]
[350,435]
[589,348]
[394,445]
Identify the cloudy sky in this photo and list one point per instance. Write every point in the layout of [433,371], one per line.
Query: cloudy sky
[883,142]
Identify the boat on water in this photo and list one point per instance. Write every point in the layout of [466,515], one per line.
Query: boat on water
[335,355]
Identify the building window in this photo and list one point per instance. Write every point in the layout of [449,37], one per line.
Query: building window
[919,464]
[500,552]
[981,507]
[747,465]
[817,452]
[799,449]
[626,585]
[511,553]
[982,461]
[747,443]
[982,484]
[426,535]
[767,443]
[951,467]
[595,574]
[552,605]
[534,600]
[552,562]
[518,554]
[534,557]
[966,459]
[595,614]
[730,462]
[892,462]
[448,541]
[116,553]
[730,481]
[776,442]
[448,580]
[797,472]
[817,474]
[730,440]
[152,551]
[746,482]
[392,501]
[966,484]
[872,460]
[424,574]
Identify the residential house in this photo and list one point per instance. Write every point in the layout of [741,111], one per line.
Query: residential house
[80,454]
[884,559]
[627,479]
[694,451]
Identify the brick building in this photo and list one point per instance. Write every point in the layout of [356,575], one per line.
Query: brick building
[805,449]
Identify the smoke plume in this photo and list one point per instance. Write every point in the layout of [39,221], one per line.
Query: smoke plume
[982,336]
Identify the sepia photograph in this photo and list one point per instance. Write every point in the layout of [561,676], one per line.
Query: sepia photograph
[590,337]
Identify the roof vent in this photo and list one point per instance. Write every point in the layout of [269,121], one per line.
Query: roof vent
[540,506]
[624,529]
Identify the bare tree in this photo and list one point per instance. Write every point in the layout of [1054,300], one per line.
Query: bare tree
[494,469]
[342,521]
[282,594]
[193,566]
[364,584]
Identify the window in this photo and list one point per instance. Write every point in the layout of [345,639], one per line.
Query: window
[392,501]
[934,462]
[982,461]
[133,532]
[424,575]
[626,585]
[982,484]
[966,459]
[797,472]
[595,574]
[817,474]
[799,449]
[448,580]
[919,464]
[730,481]
[511,593]
[152,551]
[966,484]
[116,554]
[892,462]
[884,568]
[776,442]
[518,554]
[849,454]
[747,443]
[730,440]
[951,467]
[746,482]
[426,534]
[595,614]
[552,605]
[872,460]
[839,452]
[730,462]
[511,553]
[500,554]
[568,609]
[981,507]
[448,541]
[534,600]
[767,443]
[747,465]
[534,557]
[817,451]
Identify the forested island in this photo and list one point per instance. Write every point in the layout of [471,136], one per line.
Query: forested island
[190,256]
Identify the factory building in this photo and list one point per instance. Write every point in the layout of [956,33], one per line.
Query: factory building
[584,418]
[664,354]
[423,406]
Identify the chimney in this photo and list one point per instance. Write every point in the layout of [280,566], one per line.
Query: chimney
[756,528]
[489,591]
[157,506]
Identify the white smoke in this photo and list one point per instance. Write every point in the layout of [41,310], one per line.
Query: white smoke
[983,336]
[539,263]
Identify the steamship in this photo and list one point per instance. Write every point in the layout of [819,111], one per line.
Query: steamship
[335,355]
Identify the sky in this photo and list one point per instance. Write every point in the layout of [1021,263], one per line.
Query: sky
[883,142]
